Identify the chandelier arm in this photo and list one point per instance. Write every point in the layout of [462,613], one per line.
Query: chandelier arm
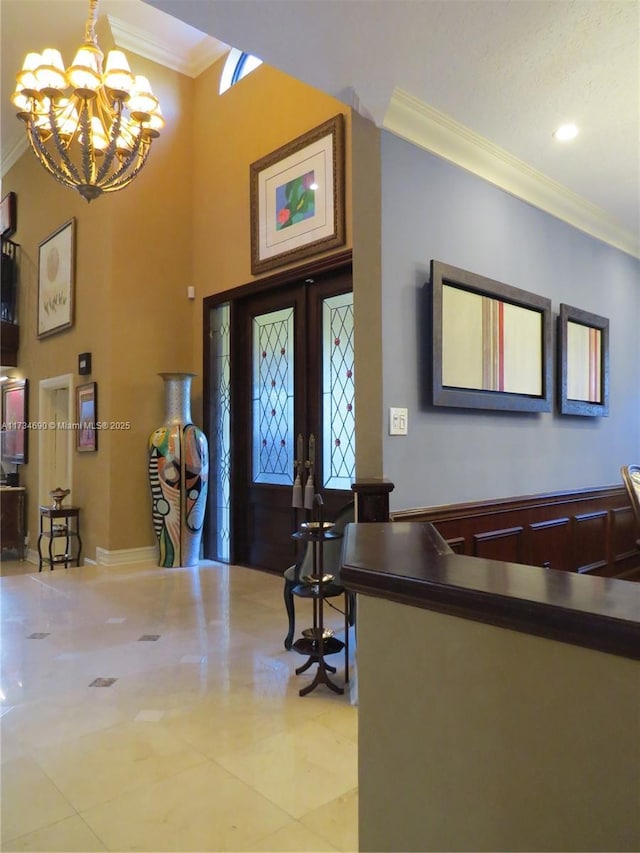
[122,179]
[46,159]
[140,150]
[111,186]
[66,162]
[88,151]
[110,151]
[124,183]
[127,173]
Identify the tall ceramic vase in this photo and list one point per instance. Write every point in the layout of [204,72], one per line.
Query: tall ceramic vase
[178,476]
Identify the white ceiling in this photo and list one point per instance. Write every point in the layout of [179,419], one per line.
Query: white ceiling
[482,82]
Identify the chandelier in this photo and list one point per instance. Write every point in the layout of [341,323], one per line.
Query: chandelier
[91,129]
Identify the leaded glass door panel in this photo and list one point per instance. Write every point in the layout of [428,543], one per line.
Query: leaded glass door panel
[293,351]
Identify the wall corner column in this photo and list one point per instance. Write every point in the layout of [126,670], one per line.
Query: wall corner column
[367,294]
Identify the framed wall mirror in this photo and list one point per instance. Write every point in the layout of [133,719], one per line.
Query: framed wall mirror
[583,353]
[491,343]
[15,416]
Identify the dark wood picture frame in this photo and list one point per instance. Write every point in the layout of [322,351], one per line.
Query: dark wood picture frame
[450,335]
[290,220]
[8,215]
[15,417]
[590,361]
[86,417]
[56,280]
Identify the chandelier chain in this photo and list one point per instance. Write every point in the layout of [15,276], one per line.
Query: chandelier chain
[90,27]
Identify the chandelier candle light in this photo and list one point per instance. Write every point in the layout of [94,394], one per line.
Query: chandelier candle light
[91,129]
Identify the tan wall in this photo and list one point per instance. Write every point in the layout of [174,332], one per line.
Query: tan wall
[253,118]
[184,221]
[474,737]
[43,205]
[152,316]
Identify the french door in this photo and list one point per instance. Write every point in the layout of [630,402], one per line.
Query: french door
[292,389]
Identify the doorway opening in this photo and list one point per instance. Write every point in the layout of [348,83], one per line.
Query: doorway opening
[56,442]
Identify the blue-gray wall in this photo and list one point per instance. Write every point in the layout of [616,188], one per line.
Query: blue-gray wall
[432,209]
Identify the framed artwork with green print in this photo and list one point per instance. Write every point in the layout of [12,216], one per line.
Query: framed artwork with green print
[297,198]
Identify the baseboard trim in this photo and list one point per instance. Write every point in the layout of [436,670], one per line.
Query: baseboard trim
[126,555]
[107,558]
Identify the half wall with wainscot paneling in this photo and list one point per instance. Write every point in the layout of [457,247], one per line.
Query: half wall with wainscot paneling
[589,531]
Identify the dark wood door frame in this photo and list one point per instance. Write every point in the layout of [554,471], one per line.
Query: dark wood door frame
[339,262]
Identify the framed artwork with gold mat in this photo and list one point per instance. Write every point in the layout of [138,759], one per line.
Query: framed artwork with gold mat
[56,280]
[297,198]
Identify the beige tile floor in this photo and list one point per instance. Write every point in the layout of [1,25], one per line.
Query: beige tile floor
[201,744]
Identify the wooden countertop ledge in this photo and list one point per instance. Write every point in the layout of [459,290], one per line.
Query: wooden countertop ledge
[411,564]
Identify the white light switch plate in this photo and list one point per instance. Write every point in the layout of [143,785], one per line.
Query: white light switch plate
[398,421]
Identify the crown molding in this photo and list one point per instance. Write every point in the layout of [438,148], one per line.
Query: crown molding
[14,154]
[413,120]
[192,64]
[205,53]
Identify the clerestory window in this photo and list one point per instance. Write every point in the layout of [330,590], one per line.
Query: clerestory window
[237,66]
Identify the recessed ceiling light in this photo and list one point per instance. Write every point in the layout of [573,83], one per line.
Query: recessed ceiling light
[566,132]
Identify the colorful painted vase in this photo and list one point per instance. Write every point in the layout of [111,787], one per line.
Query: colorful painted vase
[178,476]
